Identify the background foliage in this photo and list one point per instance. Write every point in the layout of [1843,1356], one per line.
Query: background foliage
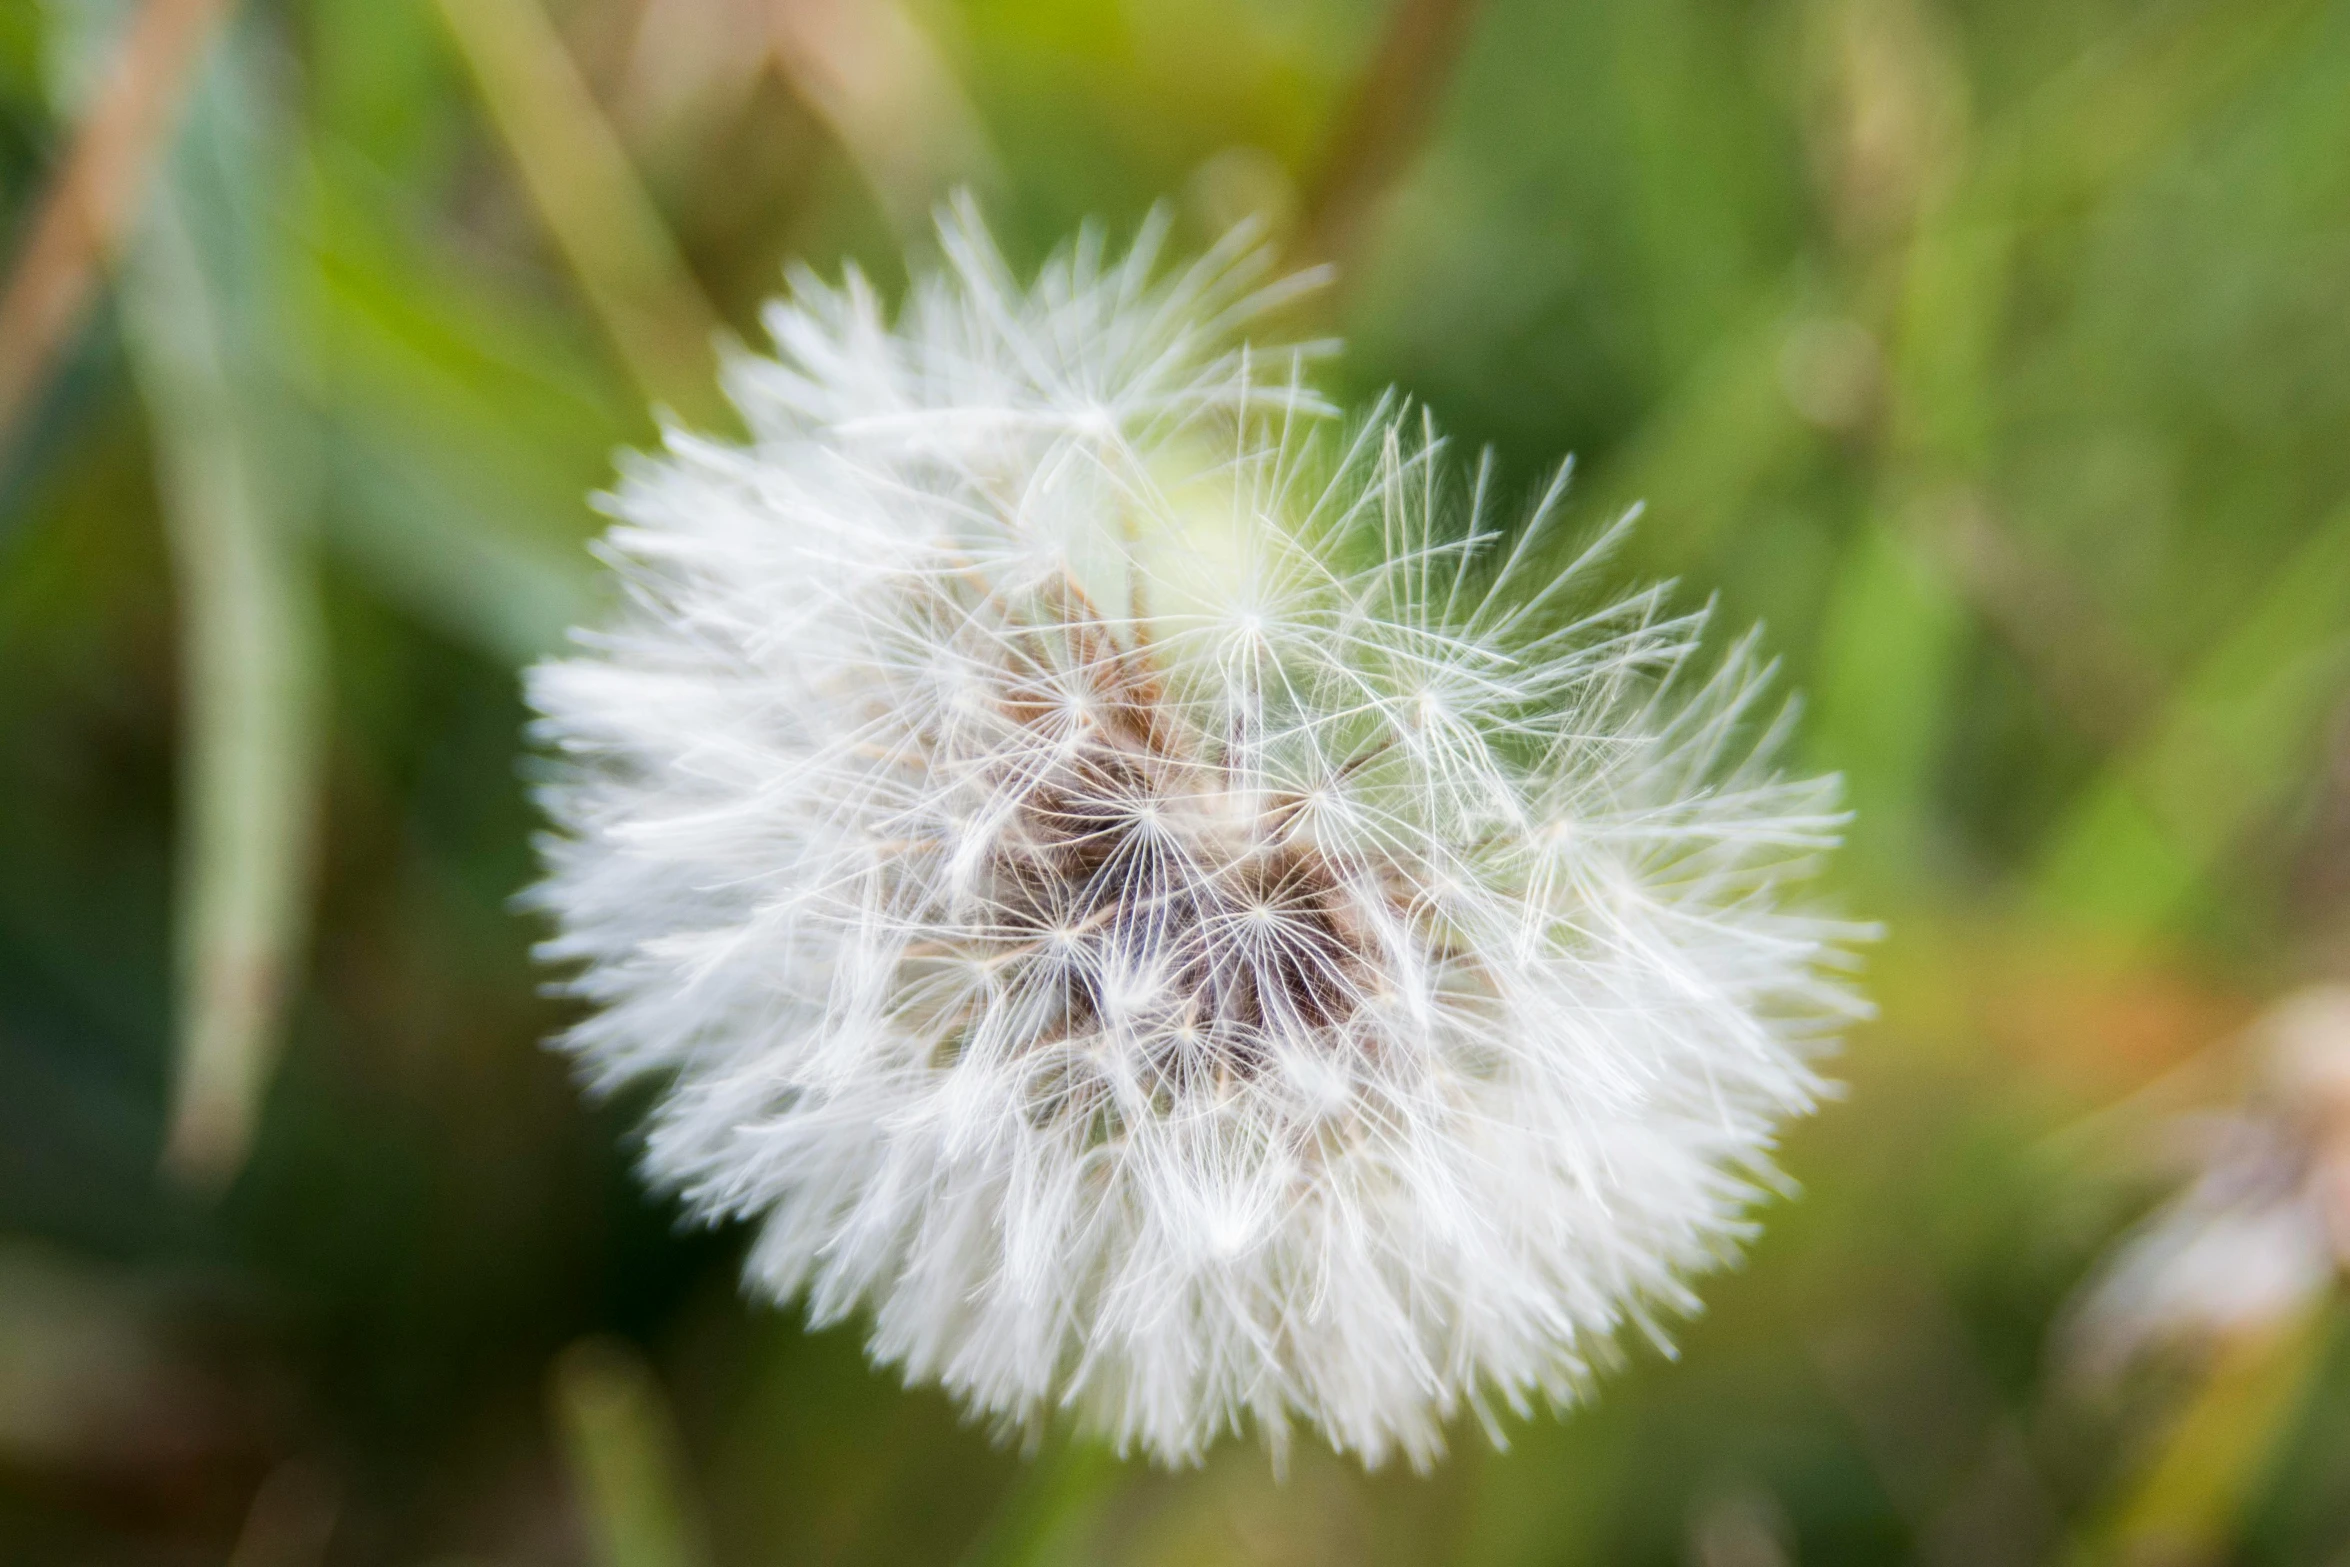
[1996,353]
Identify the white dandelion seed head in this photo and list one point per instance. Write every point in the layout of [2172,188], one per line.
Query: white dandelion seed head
[1150,893]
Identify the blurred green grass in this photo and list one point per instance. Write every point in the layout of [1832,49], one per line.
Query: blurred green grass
[1997,355]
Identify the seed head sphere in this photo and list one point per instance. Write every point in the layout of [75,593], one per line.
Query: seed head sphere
[1157,895]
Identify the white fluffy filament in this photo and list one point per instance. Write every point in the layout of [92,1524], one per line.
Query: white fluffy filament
[1158,899]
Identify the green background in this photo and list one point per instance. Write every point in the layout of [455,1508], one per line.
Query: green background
[1994,353]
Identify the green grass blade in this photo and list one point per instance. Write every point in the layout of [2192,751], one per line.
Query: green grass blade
[2240,734]
[622,1448]
[230,466]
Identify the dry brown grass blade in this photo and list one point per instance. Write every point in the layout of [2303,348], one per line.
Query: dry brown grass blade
[878,81]
[589,196]
[96,192]
[1384,123]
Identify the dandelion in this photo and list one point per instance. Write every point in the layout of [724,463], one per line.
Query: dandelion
[1154,895]
[2259,1232]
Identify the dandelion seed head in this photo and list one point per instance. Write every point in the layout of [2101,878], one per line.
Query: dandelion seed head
[1157,896]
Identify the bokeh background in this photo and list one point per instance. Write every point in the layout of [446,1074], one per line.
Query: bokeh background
[1995,353]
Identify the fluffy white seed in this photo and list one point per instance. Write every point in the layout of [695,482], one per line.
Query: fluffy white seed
[1150,893]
